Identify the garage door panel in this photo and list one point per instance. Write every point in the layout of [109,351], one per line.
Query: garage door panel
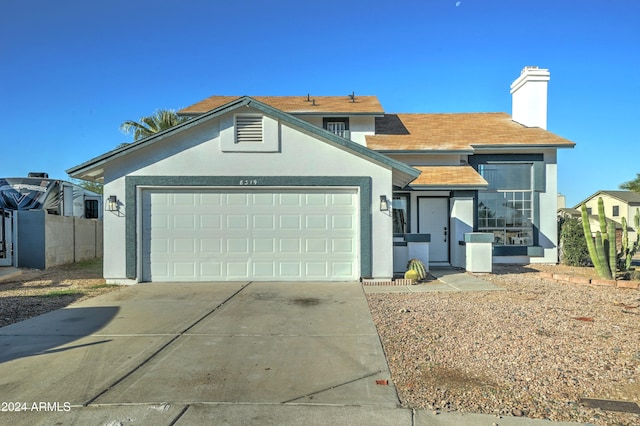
[211,271]
[210,246]
[210,221]
[264,222]
[264,246]
[238,245]
[237,269]
[237,222]
[192,235]
[237,199]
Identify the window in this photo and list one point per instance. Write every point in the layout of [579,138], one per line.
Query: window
[91,209]
[616,211]
[336,125]
[506,207]
[399,208]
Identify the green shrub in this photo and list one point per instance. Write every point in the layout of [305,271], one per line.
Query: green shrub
[573,246]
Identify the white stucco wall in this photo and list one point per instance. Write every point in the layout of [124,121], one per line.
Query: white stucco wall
[461,223]
[197,152]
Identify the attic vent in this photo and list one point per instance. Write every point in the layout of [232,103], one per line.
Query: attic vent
[248,128]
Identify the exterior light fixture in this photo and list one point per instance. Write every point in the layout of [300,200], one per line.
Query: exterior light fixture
[384,203]
[112,203]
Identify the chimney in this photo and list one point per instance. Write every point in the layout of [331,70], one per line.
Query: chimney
[529,97]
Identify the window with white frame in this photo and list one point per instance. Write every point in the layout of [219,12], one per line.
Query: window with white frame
[506,208]
[337,125]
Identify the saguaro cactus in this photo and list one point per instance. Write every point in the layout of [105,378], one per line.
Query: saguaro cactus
[599,256]
[628,249]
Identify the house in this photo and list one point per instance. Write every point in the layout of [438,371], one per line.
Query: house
[328,188]
[617,205]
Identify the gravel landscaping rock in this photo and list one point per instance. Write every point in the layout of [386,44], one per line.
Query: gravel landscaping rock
[534,350]
[35,292]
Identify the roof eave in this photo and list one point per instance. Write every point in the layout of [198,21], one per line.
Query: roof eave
[449,187]
[425,151]
[511,147]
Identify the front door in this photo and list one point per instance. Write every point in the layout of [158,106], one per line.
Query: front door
[6,237]
[433,218]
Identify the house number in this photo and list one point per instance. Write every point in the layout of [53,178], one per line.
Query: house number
[245,182]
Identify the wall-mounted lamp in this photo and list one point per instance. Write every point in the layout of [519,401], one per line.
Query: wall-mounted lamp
[384,203]
[112,203]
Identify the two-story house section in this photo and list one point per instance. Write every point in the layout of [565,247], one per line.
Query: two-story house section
[329,188]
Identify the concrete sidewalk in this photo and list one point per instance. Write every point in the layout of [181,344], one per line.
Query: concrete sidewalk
[447,280]
[7,272]
[208,353]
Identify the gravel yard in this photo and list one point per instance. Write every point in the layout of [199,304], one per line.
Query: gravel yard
[36,292]
[534,350]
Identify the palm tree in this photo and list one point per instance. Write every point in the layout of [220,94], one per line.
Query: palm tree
[632,185]
[162,119]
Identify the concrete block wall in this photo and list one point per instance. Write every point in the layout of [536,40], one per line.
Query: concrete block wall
[59,240]
[46,240]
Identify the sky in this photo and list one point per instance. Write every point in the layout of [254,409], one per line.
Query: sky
[71,71]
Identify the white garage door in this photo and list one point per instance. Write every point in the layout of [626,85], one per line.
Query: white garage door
[220,235]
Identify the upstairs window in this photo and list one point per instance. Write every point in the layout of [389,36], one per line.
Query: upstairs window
[338,126]
[248,128]
[616,211]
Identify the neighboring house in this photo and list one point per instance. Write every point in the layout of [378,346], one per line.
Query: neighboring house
[617,205]
[328,188]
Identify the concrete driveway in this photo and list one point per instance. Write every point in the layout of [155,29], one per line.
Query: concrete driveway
[201,353]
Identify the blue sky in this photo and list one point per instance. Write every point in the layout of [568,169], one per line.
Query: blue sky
[73,71]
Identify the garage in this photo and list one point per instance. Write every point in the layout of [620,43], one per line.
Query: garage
[262,234]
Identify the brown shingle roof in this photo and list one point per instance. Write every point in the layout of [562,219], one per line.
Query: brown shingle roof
[297,104]
[449,176]
[456,132]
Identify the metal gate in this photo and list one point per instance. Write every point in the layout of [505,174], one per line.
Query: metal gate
[6,237]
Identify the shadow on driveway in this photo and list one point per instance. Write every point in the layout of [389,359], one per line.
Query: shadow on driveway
[40,335]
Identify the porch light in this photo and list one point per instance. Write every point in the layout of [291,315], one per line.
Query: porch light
[112,203]
[384,203]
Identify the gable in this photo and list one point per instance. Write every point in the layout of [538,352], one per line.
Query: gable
[195,141]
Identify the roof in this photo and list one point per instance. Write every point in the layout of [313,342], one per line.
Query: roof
[461,132]
[297,104]
[94,168]
[449,177]
[629,197]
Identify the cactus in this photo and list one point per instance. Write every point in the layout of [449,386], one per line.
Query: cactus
[613,249]
[636,220]
[628,249]
[418,266]
[596,249]
[627,256]
[411,275]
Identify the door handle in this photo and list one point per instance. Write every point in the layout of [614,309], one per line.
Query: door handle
[445,234]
